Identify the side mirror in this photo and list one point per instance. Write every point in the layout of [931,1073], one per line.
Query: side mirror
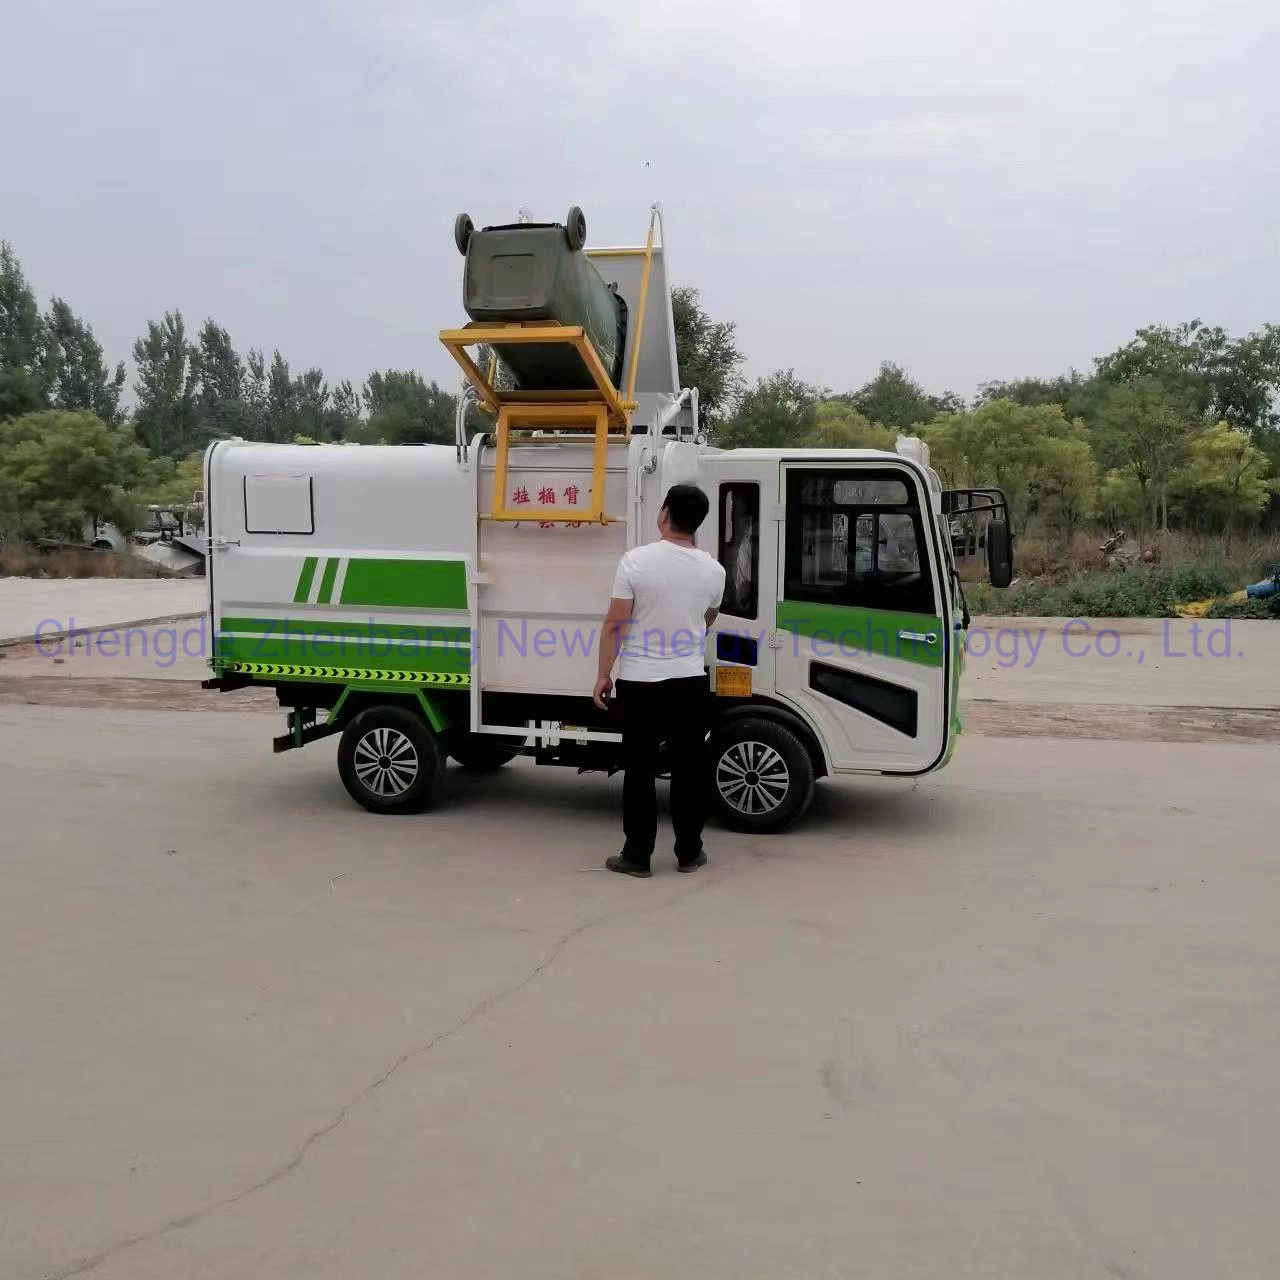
[999,553]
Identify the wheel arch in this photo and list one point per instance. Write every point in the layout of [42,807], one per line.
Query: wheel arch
[766,708]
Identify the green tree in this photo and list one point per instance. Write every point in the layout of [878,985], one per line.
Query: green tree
[1074,392]
[219,374]
[1220,377]
[295,405]
[1223,482]
[174,481]
[61,472]
[22,340]
[342,419]
[165,419]
[404,409]
[838,425]
[894,399]
[76,373]
[311,398]
[1002,444]
[1066,488]
[282,402]
[1121,502]
[707,354]
[256,412]
[780,411]
[1146,429]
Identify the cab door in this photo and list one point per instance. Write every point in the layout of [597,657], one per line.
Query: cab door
[743,497]
[863,613]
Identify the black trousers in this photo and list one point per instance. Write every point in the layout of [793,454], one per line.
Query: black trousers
[675,712]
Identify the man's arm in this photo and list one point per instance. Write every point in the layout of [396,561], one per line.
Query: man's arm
[610,642]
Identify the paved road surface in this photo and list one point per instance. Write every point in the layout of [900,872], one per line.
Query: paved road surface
[1020,1019]
[31,606]
[1125,661]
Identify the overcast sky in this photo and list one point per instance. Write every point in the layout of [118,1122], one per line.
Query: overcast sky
[973,188]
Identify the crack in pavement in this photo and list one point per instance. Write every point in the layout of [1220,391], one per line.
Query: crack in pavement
[486,1006]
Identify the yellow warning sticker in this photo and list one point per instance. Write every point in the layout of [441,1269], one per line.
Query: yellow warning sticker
[733,682]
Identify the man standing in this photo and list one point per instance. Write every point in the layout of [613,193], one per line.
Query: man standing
[665,595]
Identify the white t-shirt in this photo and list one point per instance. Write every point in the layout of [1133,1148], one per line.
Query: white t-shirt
[673,586]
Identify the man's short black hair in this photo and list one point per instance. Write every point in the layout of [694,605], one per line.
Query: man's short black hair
[687,507]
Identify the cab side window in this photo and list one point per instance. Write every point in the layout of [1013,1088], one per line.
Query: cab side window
[739,548]
[857,538]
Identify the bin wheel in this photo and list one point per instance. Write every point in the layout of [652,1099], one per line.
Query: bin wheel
[761,775]
[462,229]
[575,228]
[390,761]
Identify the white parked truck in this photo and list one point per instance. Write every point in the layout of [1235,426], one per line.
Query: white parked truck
[436,601]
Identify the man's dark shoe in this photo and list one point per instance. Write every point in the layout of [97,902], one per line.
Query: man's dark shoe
[692,864]
[624,866]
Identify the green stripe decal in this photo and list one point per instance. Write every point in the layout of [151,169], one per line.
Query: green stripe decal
[406,584]
[304,580]
[326,583]
[840,629]
[371,631]
[300,671]
[345,651]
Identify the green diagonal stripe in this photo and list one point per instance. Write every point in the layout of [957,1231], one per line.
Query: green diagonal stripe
[326,582]
[304,580]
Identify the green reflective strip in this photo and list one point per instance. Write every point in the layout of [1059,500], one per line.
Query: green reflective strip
[305,671]
[304,580]
[408,584]
[840,629]
[326,582]
[340,651]
[371,631]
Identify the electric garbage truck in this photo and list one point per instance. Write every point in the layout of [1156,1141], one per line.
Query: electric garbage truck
[423,602]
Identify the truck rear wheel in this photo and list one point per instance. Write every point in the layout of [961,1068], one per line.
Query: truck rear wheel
[390,761]
[761,774]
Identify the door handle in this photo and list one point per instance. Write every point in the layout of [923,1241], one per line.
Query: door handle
[930,637]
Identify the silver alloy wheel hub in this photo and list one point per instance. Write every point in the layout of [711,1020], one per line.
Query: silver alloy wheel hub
[752,777]
[386,762]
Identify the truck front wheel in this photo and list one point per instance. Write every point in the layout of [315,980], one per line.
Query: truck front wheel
[390,761]
[761,774]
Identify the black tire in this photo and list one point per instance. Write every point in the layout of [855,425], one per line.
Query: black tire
[999,553]
[761,775]
[482,752]
[462,229]
[390,761]
[575,228]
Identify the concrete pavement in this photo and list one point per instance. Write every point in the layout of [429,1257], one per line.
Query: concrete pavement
[1020,1019]
[1125,661]
[49,605]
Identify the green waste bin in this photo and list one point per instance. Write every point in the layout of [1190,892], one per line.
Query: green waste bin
[529,271]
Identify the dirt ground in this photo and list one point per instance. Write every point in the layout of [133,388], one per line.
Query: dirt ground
[1020,1018]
